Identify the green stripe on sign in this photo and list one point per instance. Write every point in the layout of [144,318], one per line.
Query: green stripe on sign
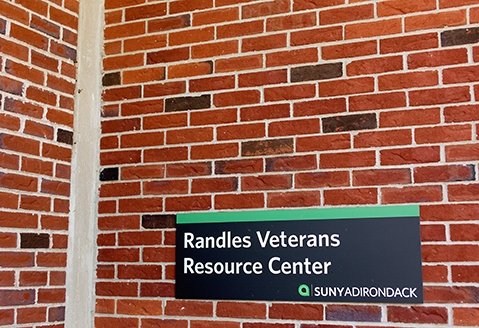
[376,212]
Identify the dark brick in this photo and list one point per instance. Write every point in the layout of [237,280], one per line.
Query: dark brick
[170,23]
[3,25]
[316,72]
[461,36]
[110,79]
[187,103]
[63,51]
[11,86]
[17,297]
[353,313]
[65,136]
[349,123]
[56,314]
[109,174]
[158,221]
[44,26]
[267,147]
[167,56]
[34,240]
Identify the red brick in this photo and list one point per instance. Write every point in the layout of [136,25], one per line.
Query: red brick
[322,179]
[319,107]
[313,4]
[464,232]
[284,128]
[461,113]
[435,20]
[164,323]
[266,182]
[347,159]
[317,35]
[381,177]
[340,15]
[214,185]
[294,199]
[140,205]
[191,36]
[140,172]
[468,192]
[408,80]
[416,194]
[466,316]
[224,150]
[209,50]
[409,43]
[382,138]
[16,260]
[377,101]
[215,16]
[301,91]
[161,187]
[375,65]
[433,232]
[462,152]
[165,154]
[188,136]
[291,22]
[323,142]
[241,131]
[450,133]
[434,273]
[165,121]
[240,29]
[236,98]
[376,28]
[241,310]
[145,11]
[465,273]
[239,166]
[189,308]
[410,155]
[265,9]
[437,58]
[168,23]
[188,169]
[187,6]
[443,173]
[259,113]
[450,253]
[296,311]
[410,117]
[212,83]
[124,30]
[282,58]
[116,289]
[346,87]
[461,74]
[30,315]
[120,157]
[238,63]
[263,78]
[188,203]
[401,7]
[416,314]
[105,322]
[8,240]
[239,201]
[139,307]
[350,196]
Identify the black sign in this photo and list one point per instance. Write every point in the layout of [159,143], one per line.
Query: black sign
[366,254]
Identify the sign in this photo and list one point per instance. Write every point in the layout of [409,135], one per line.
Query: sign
[354,254]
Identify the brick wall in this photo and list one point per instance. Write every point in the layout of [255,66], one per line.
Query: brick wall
[37,75]
[241,104]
